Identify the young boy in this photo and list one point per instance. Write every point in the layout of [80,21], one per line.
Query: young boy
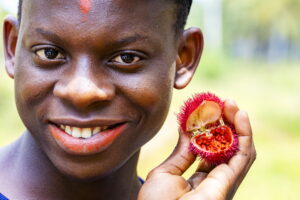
[93,83]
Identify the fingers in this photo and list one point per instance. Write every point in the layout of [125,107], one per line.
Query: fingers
[201,173]
[210,182]
[180,159]
[196,179]
[226,178]
[241,163]
[205,167]
[246,154]
[230,109]
[242,124]
[243,129]
[240,119]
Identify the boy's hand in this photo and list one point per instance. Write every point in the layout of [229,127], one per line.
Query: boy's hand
[165,182]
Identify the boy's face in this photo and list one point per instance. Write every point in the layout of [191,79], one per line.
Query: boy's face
[111,63]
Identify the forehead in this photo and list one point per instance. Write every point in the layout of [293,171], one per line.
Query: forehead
[100,5]
[129,14]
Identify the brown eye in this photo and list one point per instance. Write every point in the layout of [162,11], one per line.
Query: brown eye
[127,58]
[49,54]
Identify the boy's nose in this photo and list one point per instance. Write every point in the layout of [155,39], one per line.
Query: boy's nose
[82,92]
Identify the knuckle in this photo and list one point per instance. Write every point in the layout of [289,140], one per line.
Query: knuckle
[153,172]
[185,157]
[245,154]
[174,168]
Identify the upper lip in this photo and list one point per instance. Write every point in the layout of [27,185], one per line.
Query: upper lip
[86,123]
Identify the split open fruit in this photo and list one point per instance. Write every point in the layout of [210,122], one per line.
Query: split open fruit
[213,138]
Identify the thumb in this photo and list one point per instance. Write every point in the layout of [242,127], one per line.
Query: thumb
[179,160]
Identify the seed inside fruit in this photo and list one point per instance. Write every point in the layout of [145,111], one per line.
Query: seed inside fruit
[216,140]
[208,112]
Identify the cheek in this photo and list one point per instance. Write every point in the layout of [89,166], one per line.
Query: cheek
[30,91]
[31,88]
[156,98]
[150,92]
[29,80]
[149,96]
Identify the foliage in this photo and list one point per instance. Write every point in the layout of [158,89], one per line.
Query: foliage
[259,20]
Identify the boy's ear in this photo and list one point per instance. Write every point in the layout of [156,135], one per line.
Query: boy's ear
[10,37]
[188,57]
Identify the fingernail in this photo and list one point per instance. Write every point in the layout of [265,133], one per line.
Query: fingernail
[231,101]
[243,113]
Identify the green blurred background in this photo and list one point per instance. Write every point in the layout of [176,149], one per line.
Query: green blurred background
[252,55]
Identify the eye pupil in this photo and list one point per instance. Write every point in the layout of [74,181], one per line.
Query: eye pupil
[127,58]
[51,53]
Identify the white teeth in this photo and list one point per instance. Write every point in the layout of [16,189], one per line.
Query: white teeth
[96,130]
[82,132]
[76,132]
[86,132]
[68,130]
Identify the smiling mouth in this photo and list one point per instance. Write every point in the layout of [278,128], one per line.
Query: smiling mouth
[84,133]
[85,140]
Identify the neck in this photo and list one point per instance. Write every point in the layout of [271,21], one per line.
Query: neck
[39,174]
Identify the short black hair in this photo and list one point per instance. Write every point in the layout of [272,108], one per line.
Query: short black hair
[183,9]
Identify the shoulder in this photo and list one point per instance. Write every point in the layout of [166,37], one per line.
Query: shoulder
[5,160]
[7,153]
[8,157]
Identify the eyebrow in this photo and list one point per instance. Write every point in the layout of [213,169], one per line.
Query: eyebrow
[128,40]
[48,34]
[119,42]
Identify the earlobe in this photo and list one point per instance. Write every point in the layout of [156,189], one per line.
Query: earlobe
[189,54]
[10,35]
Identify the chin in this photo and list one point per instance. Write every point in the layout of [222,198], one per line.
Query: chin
[92,168]
[81,173]
[83,177]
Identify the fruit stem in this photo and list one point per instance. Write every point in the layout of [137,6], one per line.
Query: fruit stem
[196,132]
[221,122]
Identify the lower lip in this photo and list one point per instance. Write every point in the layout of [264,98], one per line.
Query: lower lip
[79,146]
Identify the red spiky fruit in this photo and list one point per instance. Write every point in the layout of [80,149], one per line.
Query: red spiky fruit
[212,137]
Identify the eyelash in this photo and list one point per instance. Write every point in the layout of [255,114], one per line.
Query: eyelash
[131,58]
[41,53]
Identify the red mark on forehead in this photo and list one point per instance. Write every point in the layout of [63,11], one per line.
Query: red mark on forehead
[85,6]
